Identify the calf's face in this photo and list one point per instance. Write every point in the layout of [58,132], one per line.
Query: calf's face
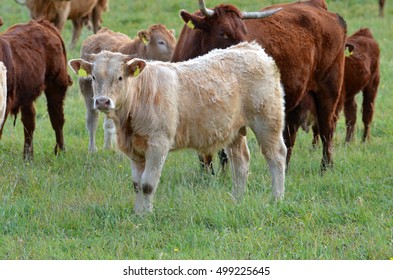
[109,73]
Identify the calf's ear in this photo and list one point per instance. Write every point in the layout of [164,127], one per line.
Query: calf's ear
[135,67]
[144,36]
[81,67]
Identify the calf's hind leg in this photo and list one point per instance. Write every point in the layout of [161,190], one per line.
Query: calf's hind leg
[273,148]
[239,157]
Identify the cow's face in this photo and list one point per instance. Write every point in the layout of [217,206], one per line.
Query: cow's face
[225,28]
[109,72]
[160,42]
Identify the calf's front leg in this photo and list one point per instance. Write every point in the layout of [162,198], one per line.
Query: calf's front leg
[146,186]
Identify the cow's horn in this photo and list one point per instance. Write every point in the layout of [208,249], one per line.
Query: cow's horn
[254,15]
[207,12]
[20,2]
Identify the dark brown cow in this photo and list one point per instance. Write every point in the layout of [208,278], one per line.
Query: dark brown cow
[35,57]
[307,43]
[381,5]
[361,74]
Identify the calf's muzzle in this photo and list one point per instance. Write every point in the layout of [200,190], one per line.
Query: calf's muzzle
[102,103]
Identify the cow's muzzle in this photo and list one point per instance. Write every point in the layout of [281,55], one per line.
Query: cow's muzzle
[103,103]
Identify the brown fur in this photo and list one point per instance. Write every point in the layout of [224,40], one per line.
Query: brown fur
[361,74]
[31,70]
[307,43]
[78,11]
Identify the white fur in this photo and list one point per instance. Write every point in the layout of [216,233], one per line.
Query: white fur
[204,104]
[3,92]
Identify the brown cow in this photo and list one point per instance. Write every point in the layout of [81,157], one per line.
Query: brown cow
[31,70]
[361,74]
[58,11]
[307,43]
[381,5]
[156,43]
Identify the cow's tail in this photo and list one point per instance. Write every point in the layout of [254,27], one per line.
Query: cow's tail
[53,28]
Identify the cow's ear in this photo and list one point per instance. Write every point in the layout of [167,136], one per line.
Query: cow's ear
[144,36]
[349,48]
[81,67]
[135,67]
[173,31]
[194,21]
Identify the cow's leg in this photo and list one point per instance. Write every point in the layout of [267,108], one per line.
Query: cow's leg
[271,143]
[109,133]
[350,109]
[96,18]
[328,101]
[206,162]
[76,33]
[155,158]
[293,122]
[137,168]
[91,114]
[28,120]
[239,157]
[55,95]
[369,95]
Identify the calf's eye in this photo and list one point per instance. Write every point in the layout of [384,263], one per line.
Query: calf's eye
[120,78]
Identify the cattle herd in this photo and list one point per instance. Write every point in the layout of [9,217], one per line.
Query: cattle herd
[285,67]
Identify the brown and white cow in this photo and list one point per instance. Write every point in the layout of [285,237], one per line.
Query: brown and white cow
[36,61]
[58,11]
[361,74]
[155,43]
[204,103]
[306,41]
[3,92]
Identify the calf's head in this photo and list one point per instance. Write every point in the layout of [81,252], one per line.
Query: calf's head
[159,41]
[109,73]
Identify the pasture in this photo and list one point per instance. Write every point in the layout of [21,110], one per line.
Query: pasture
[78,205]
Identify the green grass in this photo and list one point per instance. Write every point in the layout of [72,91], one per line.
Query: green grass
[79,205]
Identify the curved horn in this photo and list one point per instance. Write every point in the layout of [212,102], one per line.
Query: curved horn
[207,12]
[20,2]
[255,15]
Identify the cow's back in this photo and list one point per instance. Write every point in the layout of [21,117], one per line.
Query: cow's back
[38,55]
[305,41]
[235,84]
[105,39]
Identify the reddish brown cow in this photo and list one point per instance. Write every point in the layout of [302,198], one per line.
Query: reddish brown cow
[361,74]
[35,57]
[381,5]
[307,43]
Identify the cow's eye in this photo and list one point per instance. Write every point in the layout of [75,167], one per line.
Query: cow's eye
[224,35]
[120,78]
[94,78]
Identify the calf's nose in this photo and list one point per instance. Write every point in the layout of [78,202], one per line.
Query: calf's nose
[102,103]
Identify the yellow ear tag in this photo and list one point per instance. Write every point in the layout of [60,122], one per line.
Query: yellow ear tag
[347,53]
[144,40]
[137,71]
[82,72]
[190,24]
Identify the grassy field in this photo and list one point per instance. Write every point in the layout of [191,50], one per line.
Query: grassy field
[79,205]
